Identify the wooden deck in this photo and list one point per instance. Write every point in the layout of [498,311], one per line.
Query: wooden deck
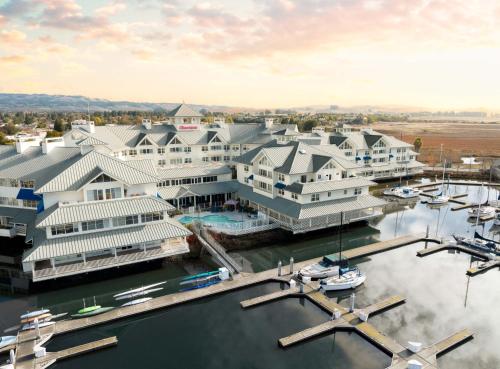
[315,331]
[269,297]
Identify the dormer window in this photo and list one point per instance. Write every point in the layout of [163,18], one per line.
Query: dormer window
[145,142]
[103,178]
[175,141]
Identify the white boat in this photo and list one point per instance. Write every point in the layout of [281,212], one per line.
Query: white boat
[345,281]
[27,327]
[327,267]
[438,200]
[7,341]
[138,301]
[34,314]
[139,293]
[485,211]
[479,244]
[391,191]
[407,193]
[140,289]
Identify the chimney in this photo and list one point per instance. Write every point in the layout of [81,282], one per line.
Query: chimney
[86,125]
[25,141]
[50,143]
[146,123]
[269,122]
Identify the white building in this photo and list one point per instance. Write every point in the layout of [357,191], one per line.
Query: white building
[99,197]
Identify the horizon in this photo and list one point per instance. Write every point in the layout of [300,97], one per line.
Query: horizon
[256,54]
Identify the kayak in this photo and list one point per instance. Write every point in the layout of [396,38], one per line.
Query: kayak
[139,293]
[98,311]
[34,314]
[27,327]
[7,341]
[140,289]
[41,318]
[196,276]
[89,309]
[197,286]
[136,302]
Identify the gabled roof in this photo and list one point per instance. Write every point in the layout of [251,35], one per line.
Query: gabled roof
[371,139]
[84,211]
[90,165]
[337,140]
[91,141]
[183,111]
[323,186]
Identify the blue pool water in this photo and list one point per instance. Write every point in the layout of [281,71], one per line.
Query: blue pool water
[211,218]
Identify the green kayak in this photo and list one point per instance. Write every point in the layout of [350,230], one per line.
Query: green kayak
[89,309]
[100,310]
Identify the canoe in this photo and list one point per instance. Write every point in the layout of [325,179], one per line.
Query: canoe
[43,317]
[92,313]
[27,327]
[33,314]
[7,341]
[89,309]
[196,276]
[138,301]
[140,289]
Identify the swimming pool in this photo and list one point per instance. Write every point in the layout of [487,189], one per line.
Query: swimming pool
[207,219]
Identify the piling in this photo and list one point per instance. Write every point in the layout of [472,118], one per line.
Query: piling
[291,265]
[279,268]
[353,297]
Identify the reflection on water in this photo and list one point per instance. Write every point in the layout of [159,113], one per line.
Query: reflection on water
[216,332]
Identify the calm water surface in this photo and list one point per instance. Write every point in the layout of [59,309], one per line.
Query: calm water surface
[216,332]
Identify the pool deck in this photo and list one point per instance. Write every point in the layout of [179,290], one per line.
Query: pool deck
[27,339]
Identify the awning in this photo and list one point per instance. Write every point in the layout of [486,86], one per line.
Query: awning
[27,194]
[358,158]
[251,177]
[367,157]
[280,185]
[391,156]
[231,202]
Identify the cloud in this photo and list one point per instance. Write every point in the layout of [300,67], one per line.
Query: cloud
[3,20]
[111,9]
[12,59]
[12,37]
[14,8]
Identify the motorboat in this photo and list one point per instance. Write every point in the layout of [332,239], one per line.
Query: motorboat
[7,341]
[407,193]
[34,314]
[482,212]
[391,191]
[138,293]
[27,327]
[140,289]
[438,199]
[348,280]
[479,244]
[328,267]
[93,312]
[137,301]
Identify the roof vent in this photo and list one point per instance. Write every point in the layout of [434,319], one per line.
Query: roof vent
[302,151]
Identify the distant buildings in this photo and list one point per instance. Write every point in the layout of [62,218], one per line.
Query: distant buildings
[100,196]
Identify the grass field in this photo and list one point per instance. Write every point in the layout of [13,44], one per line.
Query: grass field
[481,140]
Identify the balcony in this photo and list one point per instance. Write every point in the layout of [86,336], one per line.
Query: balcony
[169,248]
[7,232]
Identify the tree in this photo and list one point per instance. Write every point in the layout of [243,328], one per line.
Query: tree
[308,125]
[51,134]
[10,129]
[417,144]
[2,138]
[58,125]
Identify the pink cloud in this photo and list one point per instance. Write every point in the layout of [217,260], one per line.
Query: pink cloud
[12,37]
[3,20]
[111,9]
[12,59]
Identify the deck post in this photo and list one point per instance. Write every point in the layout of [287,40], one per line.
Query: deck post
[84,259]
[53,263]
[426,235]
[144,247]
[116,254]
[279,268]
[301,287]
[353,297]
[291,265]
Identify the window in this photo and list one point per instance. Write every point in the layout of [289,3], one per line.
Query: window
[146,151]
[164,183]
[210,179]
[226,147]
[9,201]
[281,177]
[245,168]
[188,160]
[93,224]
[245,147]
[187,149]
[175,141]
[315,197]
[295,196]
[245,179]
[281,192]
[216,139]
[236,148]
[303,179]
[151,217]
[103,178]
[161,150]
[263,186]
[132,152]
[215,158]
[30,203]
[227,158]
[357,191]
[265,173]
[162,162]
[204,148]
[176,161]
[127,220]
[344,174]
[64,229]
[345,192]
[216,147]
[27,184]
[329,194]
[145,142]
[204,158]
[106,194]
[176,149]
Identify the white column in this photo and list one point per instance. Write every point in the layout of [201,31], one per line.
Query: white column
[144,247]
[53,263]
[115,252]
[84,259]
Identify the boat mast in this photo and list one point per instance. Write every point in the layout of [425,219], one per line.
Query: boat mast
[340,240]
[444,170]
[479,207]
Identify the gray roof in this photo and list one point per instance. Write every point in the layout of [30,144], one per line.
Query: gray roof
[18,215]
[200,189]
[323,186]
[311,210]
[84,211]
[337,139]
[91,141]
[88,167]
[47,248]
[34,165]
[183,111]
[193,171]
[371,139]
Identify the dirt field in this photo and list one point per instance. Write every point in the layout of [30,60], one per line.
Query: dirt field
[481,140]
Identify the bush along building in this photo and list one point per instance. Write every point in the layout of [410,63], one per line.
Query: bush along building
[100,196]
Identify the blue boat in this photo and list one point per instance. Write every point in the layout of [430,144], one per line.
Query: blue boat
[201,275]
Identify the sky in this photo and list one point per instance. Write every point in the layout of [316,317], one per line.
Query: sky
[437,54]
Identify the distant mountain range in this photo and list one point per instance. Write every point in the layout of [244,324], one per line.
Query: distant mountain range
[62,103]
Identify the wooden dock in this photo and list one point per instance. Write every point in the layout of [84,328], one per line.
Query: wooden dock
[269,297]
[453,198]
[481,268]
[315,331]
[382,306]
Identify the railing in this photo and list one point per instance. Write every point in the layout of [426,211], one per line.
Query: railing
[7,232]
[172,248]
